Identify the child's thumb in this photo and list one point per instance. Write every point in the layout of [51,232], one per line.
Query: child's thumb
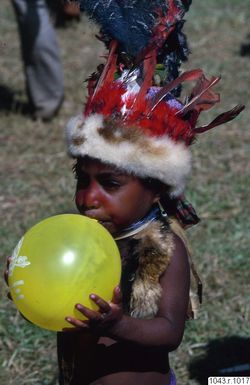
[117,295]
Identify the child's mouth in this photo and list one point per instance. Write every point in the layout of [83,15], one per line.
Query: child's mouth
[92,215]
[104,221]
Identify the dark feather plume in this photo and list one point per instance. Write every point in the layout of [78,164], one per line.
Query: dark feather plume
[173,53]
[131,22]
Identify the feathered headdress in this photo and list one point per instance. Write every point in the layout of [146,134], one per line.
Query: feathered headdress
[132,118]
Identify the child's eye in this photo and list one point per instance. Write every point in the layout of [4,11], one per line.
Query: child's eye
[110,184]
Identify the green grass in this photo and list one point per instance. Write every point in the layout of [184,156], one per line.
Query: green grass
[36,182]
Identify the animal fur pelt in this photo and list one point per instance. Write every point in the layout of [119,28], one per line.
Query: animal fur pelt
[153,250]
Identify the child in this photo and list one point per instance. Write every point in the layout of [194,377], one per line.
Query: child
[127,341]
[132,157]
[132,160]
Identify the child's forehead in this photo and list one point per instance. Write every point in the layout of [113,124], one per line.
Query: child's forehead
[88,163]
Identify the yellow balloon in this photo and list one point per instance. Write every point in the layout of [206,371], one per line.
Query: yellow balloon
[59,262]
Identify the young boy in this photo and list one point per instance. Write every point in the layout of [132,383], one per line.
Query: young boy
[127,341]
[132,155]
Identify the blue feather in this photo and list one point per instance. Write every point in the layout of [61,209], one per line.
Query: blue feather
[131,22]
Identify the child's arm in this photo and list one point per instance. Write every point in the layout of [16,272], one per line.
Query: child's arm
[166,328]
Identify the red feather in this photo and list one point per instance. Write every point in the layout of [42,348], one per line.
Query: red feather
[188,75]
[149,68]
[107,75]
[221,119]
[202,97]
[107,101]
[162,121]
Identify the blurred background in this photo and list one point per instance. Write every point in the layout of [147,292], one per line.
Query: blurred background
[37,182]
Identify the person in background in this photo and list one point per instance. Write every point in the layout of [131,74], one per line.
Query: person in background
[65,11]
[41,58]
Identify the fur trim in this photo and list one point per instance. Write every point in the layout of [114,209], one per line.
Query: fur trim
[129,149]
[154,251]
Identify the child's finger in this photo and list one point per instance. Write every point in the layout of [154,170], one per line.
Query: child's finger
[76,322]
[6,271]
[90,314]
[8,261]
[6,276]
[103,305]
[117,295]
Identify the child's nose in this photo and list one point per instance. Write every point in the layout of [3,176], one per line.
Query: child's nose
[90,197]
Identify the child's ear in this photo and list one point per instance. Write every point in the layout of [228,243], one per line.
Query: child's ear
[156,198]
[162,191]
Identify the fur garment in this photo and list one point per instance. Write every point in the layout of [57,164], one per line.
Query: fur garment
[153,249]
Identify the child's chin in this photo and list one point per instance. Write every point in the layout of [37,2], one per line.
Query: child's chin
[108,226]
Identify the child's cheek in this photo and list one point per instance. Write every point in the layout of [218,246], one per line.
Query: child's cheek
[79,198]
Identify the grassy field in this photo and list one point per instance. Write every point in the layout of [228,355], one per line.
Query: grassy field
[36,182]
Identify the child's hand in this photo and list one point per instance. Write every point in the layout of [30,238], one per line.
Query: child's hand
[105,318]
[6,274]
[6,271]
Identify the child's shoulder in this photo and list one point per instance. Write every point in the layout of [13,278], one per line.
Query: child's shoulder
[180,239]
